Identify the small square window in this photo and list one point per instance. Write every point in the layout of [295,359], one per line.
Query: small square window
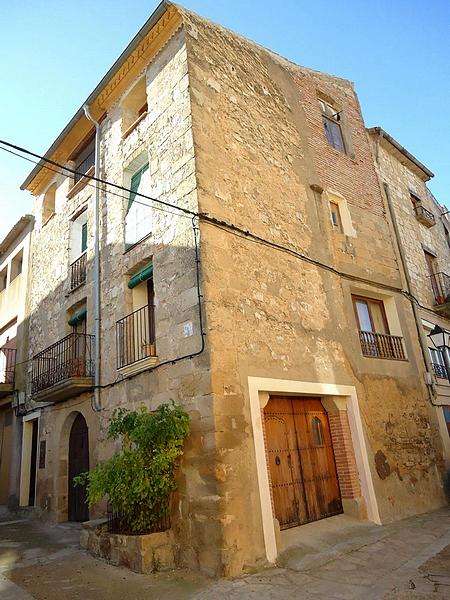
[335,216]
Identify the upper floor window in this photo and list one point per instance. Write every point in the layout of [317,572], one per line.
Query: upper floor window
[78,247]
[331,123]
[48,204]
[84,157]
[335,216]
[139,221]
[375,338]
[134,106]
[16,265]
[135,333]
[3,279]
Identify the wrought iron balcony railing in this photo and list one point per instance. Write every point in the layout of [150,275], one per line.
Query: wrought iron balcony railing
[425,216]
[7,365]
[440,371]
[78,272]
[440,284]
[135,337]
[382,345]
[68,358]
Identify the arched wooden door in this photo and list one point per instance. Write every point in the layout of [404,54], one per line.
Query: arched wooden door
[78,463]
[301,461]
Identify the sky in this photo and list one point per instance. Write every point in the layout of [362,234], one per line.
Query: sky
[397,52]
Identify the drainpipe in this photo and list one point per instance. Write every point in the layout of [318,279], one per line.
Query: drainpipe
[423,345]
[96,397]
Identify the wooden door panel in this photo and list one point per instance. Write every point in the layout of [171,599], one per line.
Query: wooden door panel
[301,460]
[78,463]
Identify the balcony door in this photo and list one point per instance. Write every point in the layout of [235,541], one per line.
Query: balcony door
[432,269]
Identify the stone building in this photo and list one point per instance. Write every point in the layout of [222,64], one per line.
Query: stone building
[422,231]
[15,251]
[261,291]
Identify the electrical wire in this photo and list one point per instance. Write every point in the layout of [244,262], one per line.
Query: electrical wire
[94,186]
[221,225]
[97,179]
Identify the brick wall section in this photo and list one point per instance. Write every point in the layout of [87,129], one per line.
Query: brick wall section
[353,173]
[344,455]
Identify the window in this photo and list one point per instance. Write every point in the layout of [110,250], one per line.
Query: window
[78,247]
[335,216]
[374,335]
[139,218]
[134,106]
[77,317]
[437,363]
[16,265]
[371,315]
[317,432]
[331,124]
[4,279]
[136,339]
[416,201]
[446,410]
[84,157]
[78,235]
[48,204]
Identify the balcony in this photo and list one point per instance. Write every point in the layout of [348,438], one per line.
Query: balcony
[440,371]
[135,341]
[78,272]
[7,371]
[424,216]
[382,345]
[64,369]
[440,285]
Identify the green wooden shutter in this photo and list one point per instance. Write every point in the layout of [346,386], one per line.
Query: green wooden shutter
[134,185]
[84,237]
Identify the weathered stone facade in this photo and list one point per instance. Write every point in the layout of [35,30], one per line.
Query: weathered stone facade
[15,252]
[402,175]
[235,133]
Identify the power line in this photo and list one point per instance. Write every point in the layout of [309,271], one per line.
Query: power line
[94,186]
[224,226]
[97,179]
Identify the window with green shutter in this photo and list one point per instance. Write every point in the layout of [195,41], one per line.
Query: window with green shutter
[84,237]
[134,185]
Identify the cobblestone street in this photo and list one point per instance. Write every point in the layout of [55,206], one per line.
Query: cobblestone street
[406,560]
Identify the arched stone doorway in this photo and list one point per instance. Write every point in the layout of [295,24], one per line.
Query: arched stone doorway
[78,463]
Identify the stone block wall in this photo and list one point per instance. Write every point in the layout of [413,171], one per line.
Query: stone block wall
[164,138]
[260,146]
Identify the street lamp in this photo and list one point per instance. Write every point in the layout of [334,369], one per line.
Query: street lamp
[441,341]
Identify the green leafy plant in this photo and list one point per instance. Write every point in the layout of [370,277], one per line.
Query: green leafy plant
[140,477]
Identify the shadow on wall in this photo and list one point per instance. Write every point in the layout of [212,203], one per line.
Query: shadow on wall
[447,485]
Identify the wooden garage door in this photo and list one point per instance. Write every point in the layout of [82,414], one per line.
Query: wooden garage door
[302,469]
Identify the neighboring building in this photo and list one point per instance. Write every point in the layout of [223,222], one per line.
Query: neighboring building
[14,281]
[422,230]
[307,392]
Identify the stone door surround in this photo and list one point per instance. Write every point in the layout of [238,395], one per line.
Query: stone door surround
[352,462]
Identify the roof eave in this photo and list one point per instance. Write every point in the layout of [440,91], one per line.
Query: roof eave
[151,21]
[379,131]
[15,231]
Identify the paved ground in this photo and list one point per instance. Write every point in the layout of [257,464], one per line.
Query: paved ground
[341,559]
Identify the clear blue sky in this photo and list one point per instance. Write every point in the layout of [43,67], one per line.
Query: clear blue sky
[397,52]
